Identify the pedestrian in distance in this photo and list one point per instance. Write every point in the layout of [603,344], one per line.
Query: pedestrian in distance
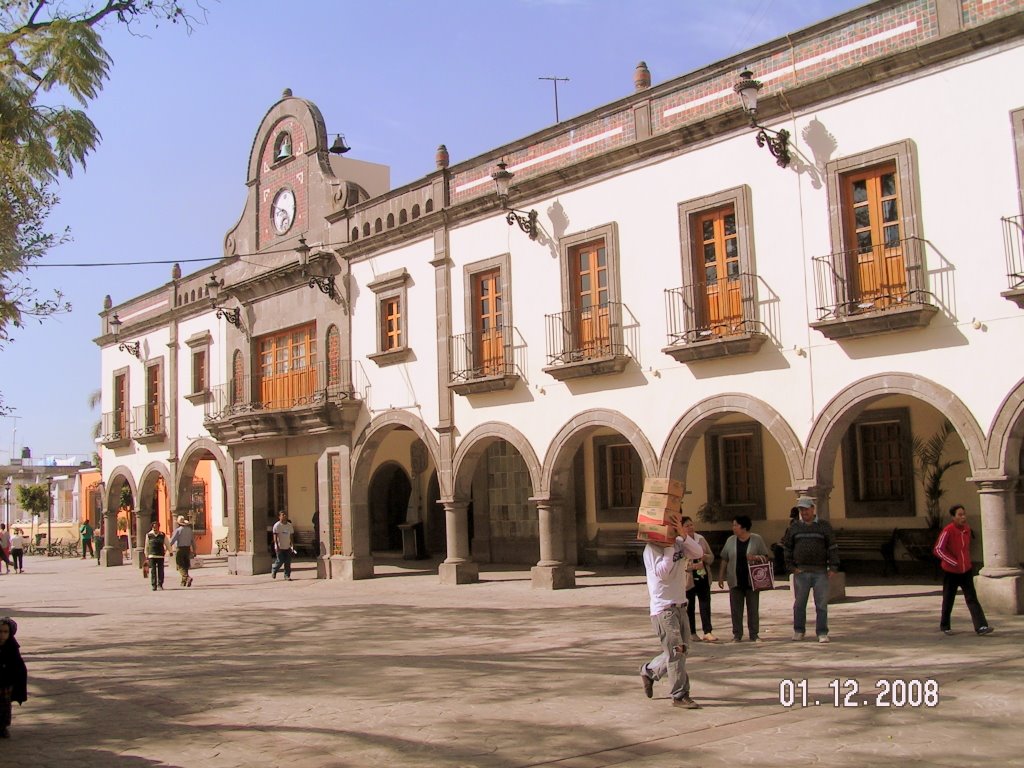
[98,540]
[953,549]
[812,556]
[86,532]
[156,548]
[5,547]
[18,550]
[741,549]
[284,535]
[183,544]
[13,675]
[666,586]
[699,591]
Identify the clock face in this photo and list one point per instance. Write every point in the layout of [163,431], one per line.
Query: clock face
[282,211]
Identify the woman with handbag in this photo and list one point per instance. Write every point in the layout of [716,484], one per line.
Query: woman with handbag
[741,550]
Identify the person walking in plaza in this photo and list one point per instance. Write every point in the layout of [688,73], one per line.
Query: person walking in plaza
[156,548]
[86,532]
[284,535]
[18,550]
[812,556]
[5,547]
[953,549]
[700,591]
[97,540]
[741,549]
[183,544]
[13,675]
[666,586]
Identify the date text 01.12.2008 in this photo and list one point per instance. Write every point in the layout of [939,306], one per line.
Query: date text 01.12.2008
[848,692]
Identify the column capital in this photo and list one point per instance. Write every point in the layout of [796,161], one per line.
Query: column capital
[809,488]
[992,482]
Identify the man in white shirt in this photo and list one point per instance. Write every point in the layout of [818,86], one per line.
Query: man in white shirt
[284,532]
[666,584]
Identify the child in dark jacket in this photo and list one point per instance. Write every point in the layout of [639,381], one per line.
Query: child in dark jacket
[13,675]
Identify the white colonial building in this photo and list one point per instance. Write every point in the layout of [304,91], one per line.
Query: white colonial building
[495,367]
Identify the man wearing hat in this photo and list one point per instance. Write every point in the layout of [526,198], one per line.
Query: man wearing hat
[183,538]
[812,556]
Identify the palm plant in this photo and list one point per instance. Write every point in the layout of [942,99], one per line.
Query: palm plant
[931,468]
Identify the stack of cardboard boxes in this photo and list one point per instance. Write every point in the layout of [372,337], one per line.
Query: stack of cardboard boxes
[660,499]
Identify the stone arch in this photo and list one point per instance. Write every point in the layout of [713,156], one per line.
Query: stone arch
[147,484]
[687,432]
[1003,446]
[428,207]
[473,446]
[123,474]
[554,475]
[194,453]
[827,432]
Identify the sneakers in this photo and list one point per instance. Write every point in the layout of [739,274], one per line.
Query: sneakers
[823,638]
[188,582]
[737,639]
[756,640]
[648,683]
[797,636]
[985,630]
[273,574]
[685,702]
[947,631]
[287,577]
[709,638]
[154,589]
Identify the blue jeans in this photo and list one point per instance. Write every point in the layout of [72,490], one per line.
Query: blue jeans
[803,583]
[284,558]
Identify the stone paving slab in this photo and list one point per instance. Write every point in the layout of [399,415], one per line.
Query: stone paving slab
[402,671]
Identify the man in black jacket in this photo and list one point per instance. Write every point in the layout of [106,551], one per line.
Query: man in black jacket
[812,556]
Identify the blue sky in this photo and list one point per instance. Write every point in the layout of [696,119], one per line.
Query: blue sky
[397,77]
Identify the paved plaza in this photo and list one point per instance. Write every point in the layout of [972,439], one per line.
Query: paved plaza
[402,671]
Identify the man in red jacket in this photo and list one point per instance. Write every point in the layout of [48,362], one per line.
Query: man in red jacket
[954,550]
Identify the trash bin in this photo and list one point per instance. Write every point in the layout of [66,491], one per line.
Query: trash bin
[413,545]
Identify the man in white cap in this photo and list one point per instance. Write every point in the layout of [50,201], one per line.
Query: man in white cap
[812,556]
[184,539]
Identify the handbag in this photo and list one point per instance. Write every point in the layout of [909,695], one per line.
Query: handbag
[762,576]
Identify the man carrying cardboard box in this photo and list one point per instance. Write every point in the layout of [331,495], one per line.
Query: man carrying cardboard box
[666,584]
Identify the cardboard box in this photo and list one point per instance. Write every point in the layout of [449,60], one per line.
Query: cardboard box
[652,515]
[658,534]
[664,485]
[665,501]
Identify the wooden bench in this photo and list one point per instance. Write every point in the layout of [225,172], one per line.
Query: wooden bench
[863,544]
[222,545]
[617,541]
[304,543]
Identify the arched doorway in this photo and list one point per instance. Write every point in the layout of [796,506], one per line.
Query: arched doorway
[390,489]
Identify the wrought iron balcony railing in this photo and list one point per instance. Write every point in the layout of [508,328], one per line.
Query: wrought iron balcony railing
[1013,245]
[114,426]
[872,278]
[485,353]
[149,421]
[301,387]
[712,310]
[599,331]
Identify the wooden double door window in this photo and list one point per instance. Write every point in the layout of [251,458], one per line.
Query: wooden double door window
[874,244]
[488,324]
[591,321]
[287,367]
[718,298]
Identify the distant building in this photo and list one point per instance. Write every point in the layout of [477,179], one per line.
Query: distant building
[656,294]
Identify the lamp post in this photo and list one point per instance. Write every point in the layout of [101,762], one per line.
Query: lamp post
[527,220]
[7,502]
[49,510]
[776,141]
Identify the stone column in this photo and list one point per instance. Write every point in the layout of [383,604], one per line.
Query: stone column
[350,525]
[1000,585]
[457,567]
[551,572]
[256,558]
[141,529]
[112,554]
